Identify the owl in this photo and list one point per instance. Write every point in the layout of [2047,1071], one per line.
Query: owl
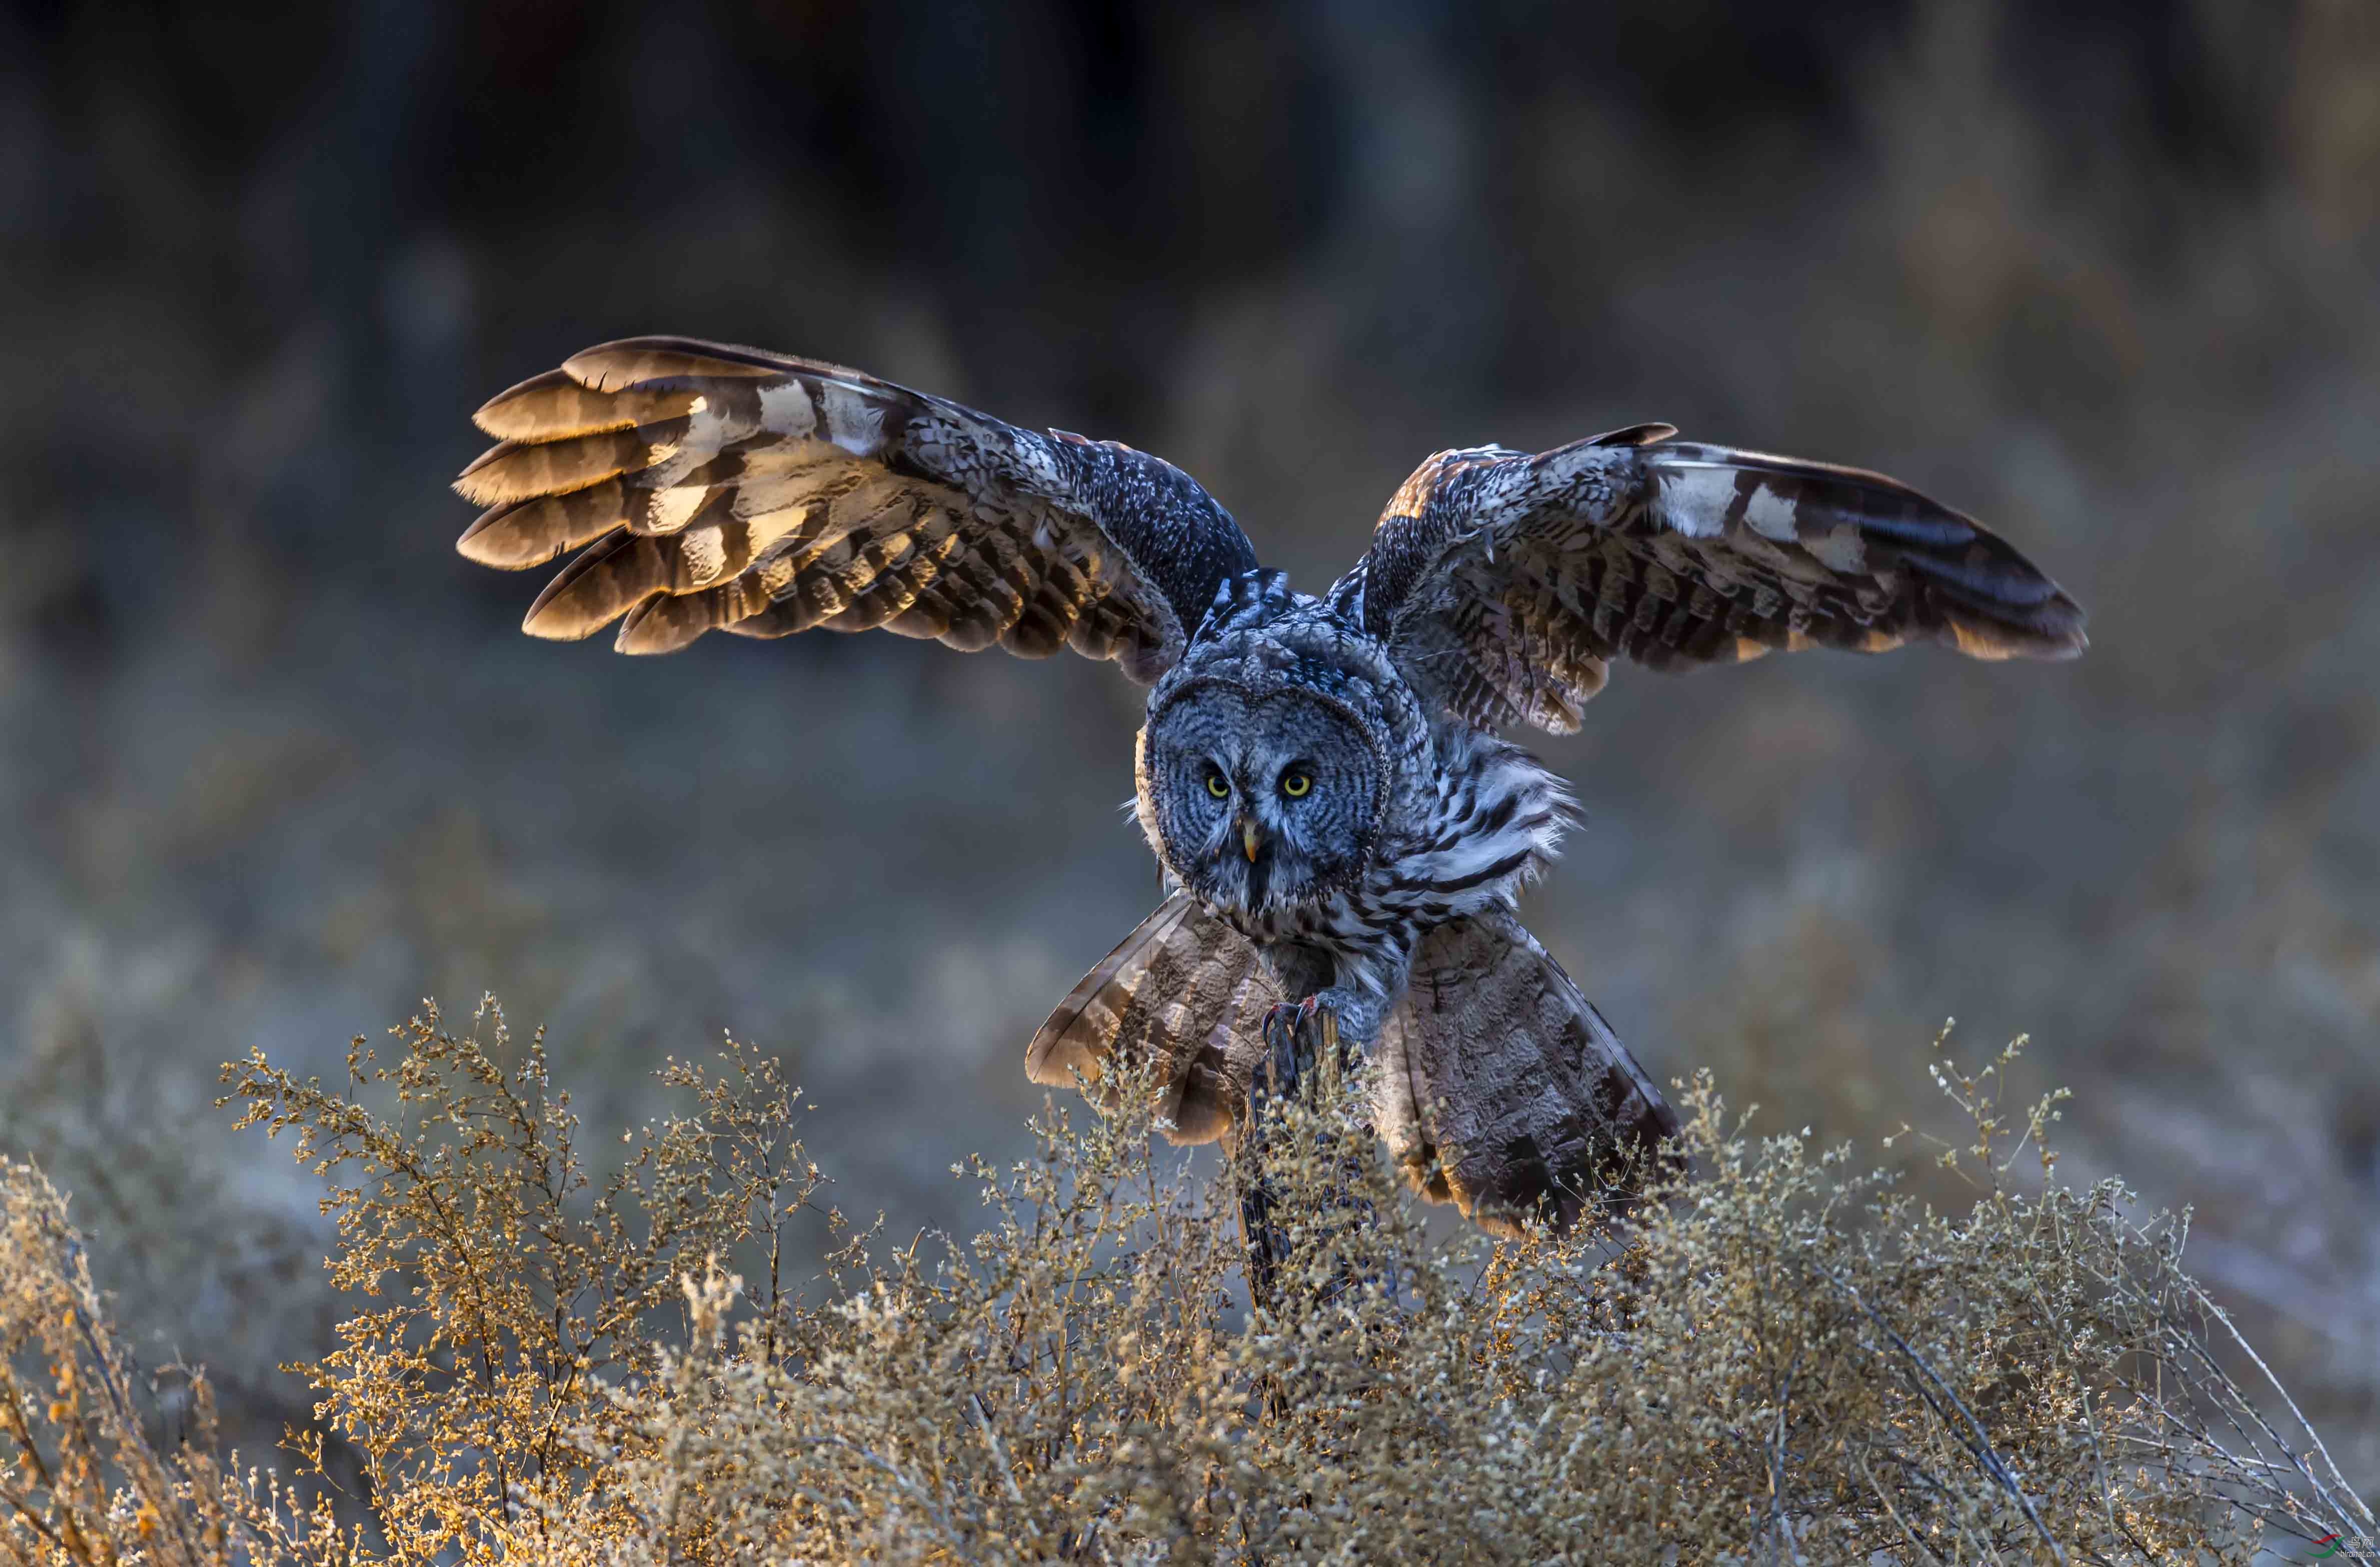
[1322,779]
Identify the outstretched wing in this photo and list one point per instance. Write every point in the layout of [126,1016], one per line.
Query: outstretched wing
[1505,584]
[717,487]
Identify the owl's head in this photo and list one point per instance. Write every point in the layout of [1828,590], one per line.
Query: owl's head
[1264,799]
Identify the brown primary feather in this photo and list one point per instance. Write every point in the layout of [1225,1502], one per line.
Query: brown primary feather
[520,534]
[514,470]
[549,406]
[1497,1086]
[613,367]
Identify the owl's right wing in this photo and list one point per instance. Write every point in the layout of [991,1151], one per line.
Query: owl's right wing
[717,487]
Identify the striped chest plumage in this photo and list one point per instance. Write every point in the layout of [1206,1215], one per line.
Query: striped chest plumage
[1492,819]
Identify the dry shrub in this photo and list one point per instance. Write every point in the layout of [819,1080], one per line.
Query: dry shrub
[100,1462]
[1785,1360]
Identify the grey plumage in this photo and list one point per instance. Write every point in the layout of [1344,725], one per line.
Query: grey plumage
[1319,778]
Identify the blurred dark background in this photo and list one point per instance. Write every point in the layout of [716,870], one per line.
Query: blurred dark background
[277,764]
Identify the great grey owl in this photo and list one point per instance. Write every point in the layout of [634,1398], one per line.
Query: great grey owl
[1320,779]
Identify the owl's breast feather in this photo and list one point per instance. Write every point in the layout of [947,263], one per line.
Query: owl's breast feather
[1489,818]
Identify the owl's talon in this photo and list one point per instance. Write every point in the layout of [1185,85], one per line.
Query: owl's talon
[1289,1042]
[1280,1064]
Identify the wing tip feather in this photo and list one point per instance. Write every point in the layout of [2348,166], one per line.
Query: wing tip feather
[553,628]
[628,361]
[526,471]
[585,597]
[664,625]
[490,415]
[485,543]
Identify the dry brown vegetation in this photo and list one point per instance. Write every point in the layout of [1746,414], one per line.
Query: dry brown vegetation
[1786,1360]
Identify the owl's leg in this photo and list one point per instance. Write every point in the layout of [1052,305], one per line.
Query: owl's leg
[1356,992]
[1292,1036]
[1335,1023]
[1290,1031]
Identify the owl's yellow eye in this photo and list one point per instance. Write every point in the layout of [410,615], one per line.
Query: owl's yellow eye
[1215,785]
[1295,784]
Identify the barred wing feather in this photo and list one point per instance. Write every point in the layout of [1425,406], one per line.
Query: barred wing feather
[1508,583]
[716,488]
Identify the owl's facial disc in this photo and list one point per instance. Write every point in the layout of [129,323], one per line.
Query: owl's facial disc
[1262,802]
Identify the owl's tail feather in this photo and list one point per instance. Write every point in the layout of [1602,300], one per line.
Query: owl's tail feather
[1184,987]
[1499,1089]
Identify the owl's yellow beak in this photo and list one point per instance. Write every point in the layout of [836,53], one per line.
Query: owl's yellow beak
[1248,837]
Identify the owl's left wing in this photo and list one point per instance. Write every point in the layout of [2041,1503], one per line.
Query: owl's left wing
[1506,583]
[712,488]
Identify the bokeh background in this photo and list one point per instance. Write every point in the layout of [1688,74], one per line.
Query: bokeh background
[274,762]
